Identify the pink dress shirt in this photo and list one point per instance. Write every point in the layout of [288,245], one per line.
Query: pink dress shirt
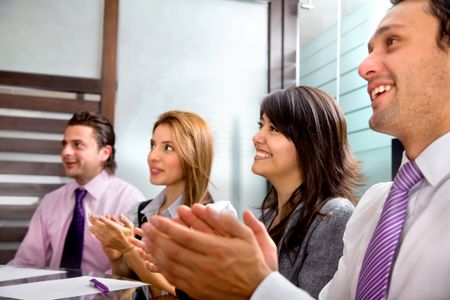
[44,241]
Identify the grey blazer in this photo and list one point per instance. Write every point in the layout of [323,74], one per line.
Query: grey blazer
[316,259]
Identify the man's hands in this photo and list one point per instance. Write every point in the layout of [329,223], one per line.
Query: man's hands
[209,254]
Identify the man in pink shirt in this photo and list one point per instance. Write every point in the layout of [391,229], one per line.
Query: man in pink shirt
[88,158]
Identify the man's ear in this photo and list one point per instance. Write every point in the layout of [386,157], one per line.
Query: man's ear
[106,152]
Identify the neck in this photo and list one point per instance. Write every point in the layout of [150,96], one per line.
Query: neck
[81,181]
[414,145]
[284,192]
[172,194]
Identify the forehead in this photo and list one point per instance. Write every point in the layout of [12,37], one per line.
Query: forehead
[162,132]
[79,132]
[409,16]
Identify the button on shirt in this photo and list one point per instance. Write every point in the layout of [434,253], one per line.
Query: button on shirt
[422,266]
[44,241]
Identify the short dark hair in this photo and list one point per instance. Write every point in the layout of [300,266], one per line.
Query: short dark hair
[312,120]
[441,10]
[104,133]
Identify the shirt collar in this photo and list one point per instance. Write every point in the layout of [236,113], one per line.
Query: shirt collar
[153,207]
[434,161]
[97,186]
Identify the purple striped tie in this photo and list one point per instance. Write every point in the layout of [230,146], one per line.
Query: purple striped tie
[378,261]
[73,246]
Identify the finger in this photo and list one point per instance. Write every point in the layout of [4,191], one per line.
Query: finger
[168,254]
[137,243]
[189,218]
[92,217]
[126,222]
[265,242]
[115,219]
[151,267]
[223,223]
[92,230]
[179,221]
[111,223]
[255,225]
[162,233]
[139,232]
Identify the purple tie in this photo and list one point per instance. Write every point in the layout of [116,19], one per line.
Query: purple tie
[373,282]
[73,246]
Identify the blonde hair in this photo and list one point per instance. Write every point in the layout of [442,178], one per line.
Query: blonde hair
[194,144]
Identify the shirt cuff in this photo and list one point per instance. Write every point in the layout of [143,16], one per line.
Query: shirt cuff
[275,287]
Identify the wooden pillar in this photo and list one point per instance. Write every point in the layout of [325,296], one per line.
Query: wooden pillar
[109,58]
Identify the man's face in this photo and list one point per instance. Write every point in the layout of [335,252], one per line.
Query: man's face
[408,74]
[82,158]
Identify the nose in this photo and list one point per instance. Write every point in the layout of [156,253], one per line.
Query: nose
[66,150]
[152,155]
[369,66]
[258,138]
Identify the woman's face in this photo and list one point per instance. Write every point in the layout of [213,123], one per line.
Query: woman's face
[163,161]
[276,157]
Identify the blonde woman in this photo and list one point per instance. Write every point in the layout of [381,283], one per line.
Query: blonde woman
[180,158]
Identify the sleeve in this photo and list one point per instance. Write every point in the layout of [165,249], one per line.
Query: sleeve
[35,249]
[275,287]
[324,249]
[223,206]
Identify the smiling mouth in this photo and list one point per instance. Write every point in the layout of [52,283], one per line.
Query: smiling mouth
[380,90]
[263,154]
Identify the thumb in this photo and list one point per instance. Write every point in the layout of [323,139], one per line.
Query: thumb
[265,242]
[224,223]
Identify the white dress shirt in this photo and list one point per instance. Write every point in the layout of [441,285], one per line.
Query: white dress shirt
[422,267]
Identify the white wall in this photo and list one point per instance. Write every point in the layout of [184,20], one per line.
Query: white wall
[60,37]
[206,56]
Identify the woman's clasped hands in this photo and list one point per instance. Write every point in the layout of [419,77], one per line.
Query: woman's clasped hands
[113,233]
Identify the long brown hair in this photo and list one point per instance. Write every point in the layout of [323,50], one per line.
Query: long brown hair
[311,119]
[194,144]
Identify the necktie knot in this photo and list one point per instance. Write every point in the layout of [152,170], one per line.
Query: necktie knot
[408,175]
[79,194]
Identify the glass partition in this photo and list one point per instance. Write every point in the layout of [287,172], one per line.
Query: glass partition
[333,38]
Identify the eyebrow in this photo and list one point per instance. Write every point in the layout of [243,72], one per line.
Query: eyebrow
[382,30]
[64,141]
[162,142]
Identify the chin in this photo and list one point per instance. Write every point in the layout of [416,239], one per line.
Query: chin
[157,182]
[258,172]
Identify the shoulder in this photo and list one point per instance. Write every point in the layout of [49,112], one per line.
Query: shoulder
[121,186]
[338,207]
[335,215]
[55,195]
[370,203]
[375,191]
